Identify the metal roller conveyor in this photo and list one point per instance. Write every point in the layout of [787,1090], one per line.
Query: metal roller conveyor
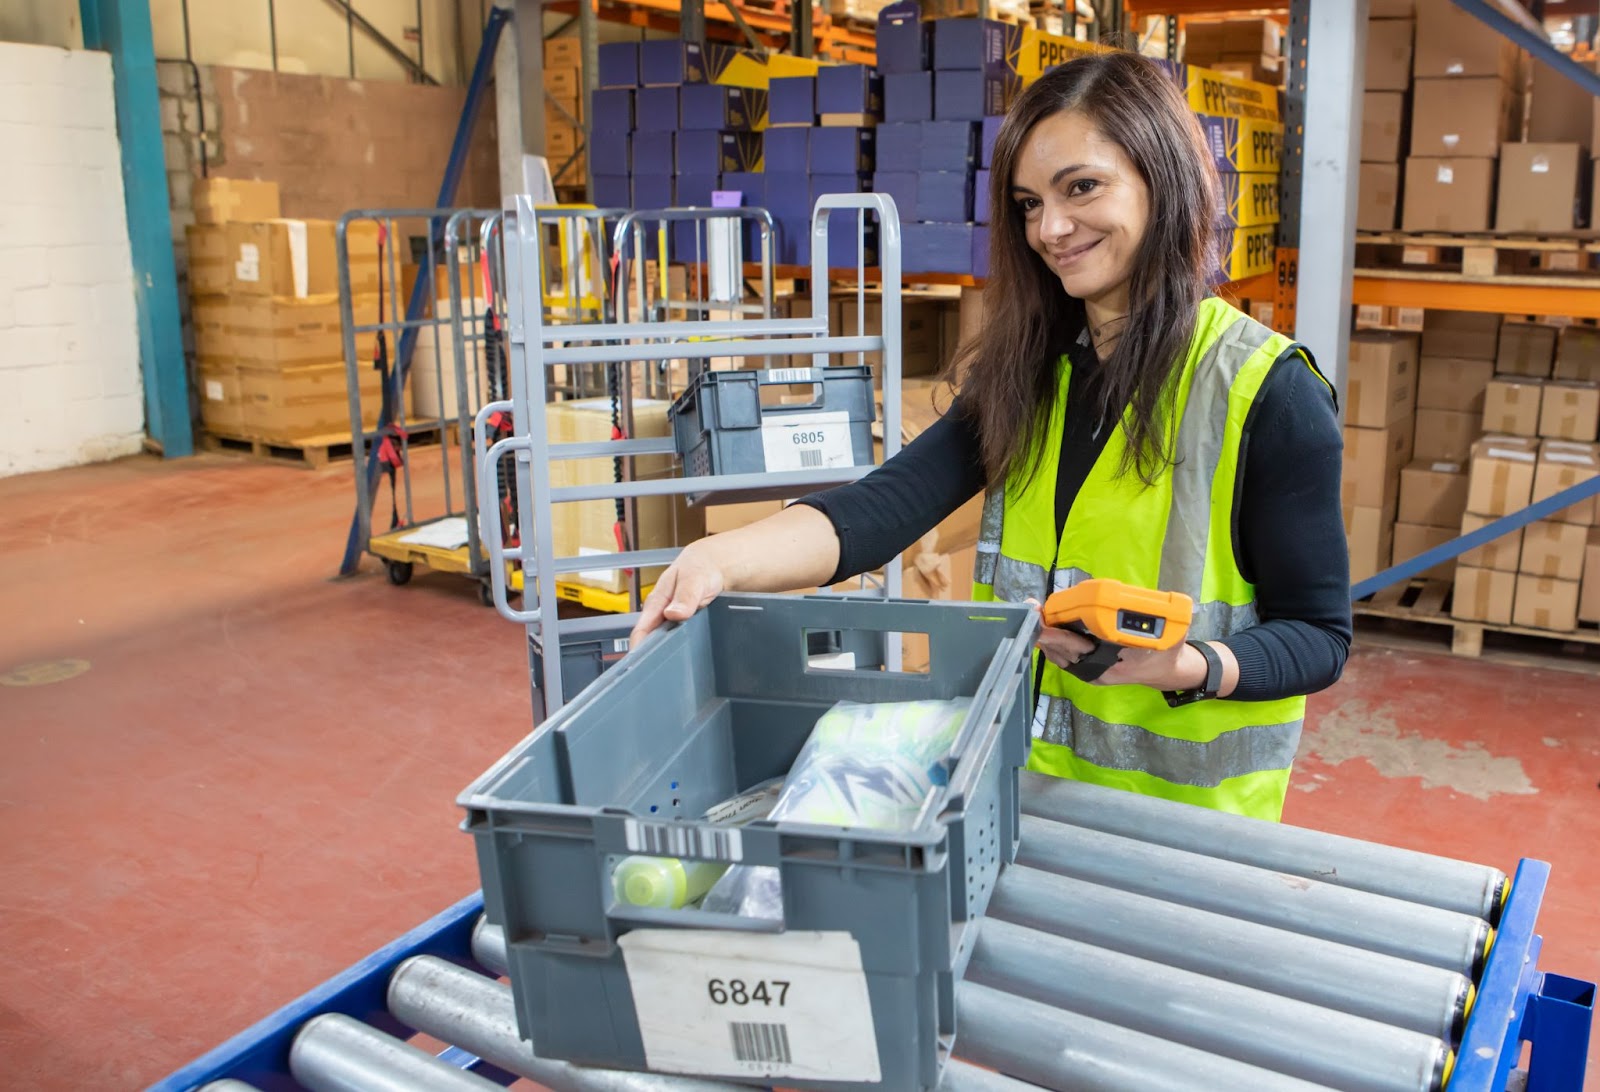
[1425,934]
[335,1053]
[1346,862]
[1209,1014]
[1336,976]
[1069,1052]
[477,1014]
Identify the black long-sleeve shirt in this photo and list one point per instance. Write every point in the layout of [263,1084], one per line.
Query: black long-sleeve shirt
[1289,528]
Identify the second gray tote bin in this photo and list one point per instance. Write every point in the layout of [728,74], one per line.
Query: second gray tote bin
[705,709]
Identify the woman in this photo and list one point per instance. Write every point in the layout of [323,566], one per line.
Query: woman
[1123,425]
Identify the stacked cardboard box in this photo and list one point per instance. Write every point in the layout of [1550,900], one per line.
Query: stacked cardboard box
[1466,104]
[268,337]
[1250,49]
[563,111]
[1379,438]
[1383,115]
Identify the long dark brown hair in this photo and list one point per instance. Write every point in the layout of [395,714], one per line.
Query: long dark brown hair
[1008,372]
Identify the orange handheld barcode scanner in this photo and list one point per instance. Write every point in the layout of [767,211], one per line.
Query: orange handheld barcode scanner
[1115,616]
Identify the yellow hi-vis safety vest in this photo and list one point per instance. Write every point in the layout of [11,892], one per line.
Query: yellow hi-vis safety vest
[1176,535]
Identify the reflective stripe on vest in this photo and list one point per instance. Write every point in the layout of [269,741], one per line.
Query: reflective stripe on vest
[1176,535]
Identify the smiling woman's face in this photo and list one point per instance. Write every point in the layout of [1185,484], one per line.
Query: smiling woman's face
[1084,207]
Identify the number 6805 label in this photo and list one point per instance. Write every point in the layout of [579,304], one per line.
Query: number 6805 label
[807,441]
[728,1004]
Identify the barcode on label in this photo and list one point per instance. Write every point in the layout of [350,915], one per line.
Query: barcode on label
[760,1043]
[674,840]
[792,375]
[810,457]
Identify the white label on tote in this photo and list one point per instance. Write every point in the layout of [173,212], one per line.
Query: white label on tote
[752,1005]
[807,441]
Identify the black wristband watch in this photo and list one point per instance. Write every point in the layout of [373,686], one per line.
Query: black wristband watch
[1207,689]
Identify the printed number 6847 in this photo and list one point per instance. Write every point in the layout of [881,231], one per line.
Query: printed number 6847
[736,991]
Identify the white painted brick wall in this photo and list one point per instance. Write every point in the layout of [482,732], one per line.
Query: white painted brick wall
[70,387]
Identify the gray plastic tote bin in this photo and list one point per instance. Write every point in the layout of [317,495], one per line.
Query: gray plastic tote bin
[583,660]
[719,425]
[718,704]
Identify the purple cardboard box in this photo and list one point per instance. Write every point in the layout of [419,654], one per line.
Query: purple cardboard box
[789,149]
[944,196]
[948,146]
[904,41]
[902,186]
[619,64]
[792,100]
[849,89]
[908,96]
[611,110]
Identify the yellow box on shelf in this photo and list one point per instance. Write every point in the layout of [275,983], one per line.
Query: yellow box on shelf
[732,66]
[1243,145]
[1248,200]
[783,64]
[1246,251]
[1213,92]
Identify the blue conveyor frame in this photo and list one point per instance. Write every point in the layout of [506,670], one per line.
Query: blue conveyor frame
[1516,1002]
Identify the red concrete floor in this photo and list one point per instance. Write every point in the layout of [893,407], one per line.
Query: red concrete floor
[252,783]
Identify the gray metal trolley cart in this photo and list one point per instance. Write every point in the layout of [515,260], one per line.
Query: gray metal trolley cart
[536,346]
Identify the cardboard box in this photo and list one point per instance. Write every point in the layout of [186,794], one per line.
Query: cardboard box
[1381,382]
[971,96]
[1483,595]
[850,89]
[1540,187]
[563,83]
[1578,353]
[1369,534]
[563,52]
[303,400]
[713,106]
[1411,539]
[1383,115]
[1502,554]
[1433,493]
[1553,549]
[1389,54]
[587,527]
[1546,603]
[1448,194]
[1248,200]
[1373,459]
[1460,118]
[1589,598]
[267,258]
[224,200]
[1526,348]
[1240,144]
[1246,251]
[1562,465]
[1501,479]
[943,146]
[561,141]
[1371,316]
[1451,42]
[221,407]
[1446,435]
[730,517]
[792,100]
[1452,383]
[619,64]
[1392,9]
[1559,110]
[1378,208]
[908,97]
[945,196]
[276,331]
[1570,411]
[611,110]
[1469,335]
[1513,406]
[842,150]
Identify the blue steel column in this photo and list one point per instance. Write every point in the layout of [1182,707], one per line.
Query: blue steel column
[122,29]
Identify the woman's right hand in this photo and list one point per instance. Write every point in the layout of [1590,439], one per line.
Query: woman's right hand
[690,582]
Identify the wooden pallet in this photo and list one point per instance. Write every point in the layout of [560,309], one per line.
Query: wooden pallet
[309,452]
[1428,602]
[1481,256]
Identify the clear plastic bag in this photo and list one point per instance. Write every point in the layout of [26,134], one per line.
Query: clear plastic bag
[864,765]
[674,882]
